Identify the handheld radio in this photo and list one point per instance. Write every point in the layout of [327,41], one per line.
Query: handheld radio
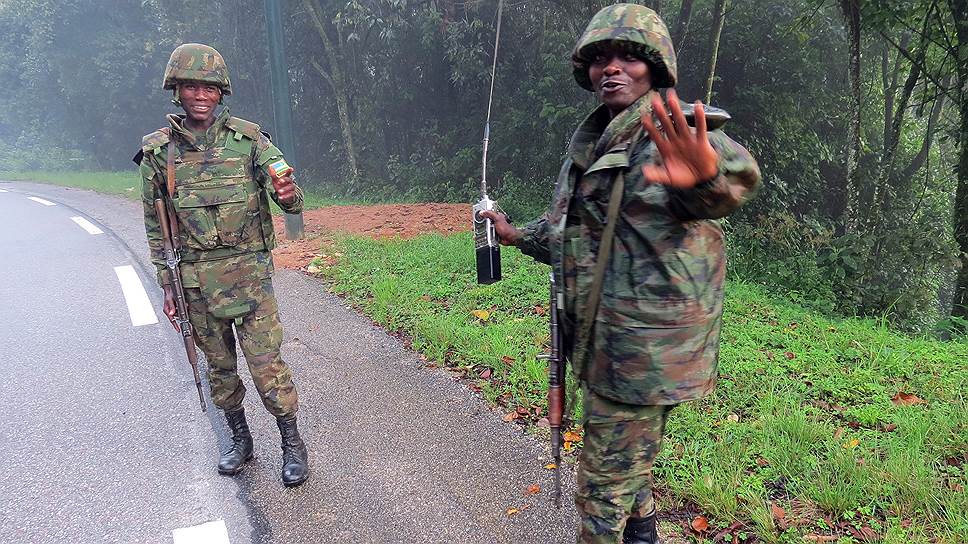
[487,249]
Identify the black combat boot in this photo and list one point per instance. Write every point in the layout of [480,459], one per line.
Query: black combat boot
[295,458]
[641,531]
[230,462]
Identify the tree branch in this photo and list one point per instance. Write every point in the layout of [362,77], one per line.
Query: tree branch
[923,68]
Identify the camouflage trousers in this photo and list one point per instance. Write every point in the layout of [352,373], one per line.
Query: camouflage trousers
[260,335]
[615,466]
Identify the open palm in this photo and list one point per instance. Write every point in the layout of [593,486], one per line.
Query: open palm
[687,156]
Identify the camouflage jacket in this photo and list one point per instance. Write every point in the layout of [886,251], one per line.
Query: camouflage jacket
[655,339]
[222,187]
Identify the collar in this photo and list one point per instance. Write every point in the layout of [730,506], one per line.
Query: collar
[177,123]
[600,132]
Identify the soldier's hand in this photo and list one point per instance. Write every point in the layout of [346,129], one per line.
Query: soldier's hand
[506,232]
[170,308]
[687,157]
[285,187]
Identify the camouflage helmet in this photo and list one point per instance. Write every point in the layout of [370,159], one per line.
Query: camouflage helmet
[636,28]
[197,62]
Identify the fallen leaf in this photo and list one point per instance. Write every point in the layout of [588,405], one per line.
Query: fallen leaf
[425,298]
[907,399]
[838,433]
[522,411]
[821,538]
[512,512]
[550,466]
[700,524]
[543,422]
[508,360]
[732,417]
[539,309]
[790,355]
[851,444]
[778,513]
[571,436]
[889,427]
[761,462]
[510,416]
[483,315]
[486,373]
[533,489]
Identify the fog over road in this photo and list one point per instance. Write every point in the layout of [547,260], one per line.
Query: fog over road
[102,439]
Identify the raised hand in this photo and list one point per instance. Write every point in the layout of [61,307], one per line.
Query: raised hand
[687,157]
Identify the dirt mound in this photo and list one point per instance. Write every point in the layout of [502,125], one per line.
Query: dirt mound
[380,221]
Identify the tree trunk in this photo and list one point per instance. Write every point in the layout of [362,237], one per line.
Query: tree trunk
[337,83]
[681,30]
[959,11]
[719,19]
[851,13]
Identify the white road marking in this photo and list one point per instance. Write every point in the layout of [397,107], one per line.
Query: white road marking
[213,532]
[140,308]
[42,201]
[87,225]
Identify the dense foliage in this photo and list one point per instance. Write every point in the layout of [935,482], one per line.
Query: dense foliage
[858,114]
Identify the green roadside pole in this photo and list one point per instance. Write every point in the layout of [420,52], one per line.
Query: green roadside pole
[281,106]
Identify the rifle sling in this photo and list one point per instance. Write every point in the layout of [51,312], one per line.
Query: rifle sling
[170,170]
[604,252]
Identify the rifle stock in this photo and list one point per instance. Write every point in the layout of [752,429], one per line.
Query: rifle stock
[169,236]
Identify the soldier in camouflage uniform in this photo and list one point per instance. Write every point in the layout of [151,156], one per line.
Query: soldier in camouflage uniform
[222,188]
[643,331]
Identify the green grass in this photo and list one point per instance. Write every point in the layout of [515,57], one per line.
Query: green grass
[128,185]
[803,417]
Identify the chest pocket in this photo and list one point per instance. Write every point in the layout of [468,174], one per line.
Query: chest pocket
[215,198]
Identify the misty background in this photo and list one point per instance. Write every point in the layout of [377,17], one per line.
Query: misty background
[858,115]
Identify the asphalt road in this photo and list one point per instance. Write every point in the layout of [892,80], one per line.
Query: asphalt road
[102,439]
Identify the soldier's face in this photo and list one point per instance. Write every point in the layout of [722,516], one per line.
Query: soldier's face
[619,78]
[199,100]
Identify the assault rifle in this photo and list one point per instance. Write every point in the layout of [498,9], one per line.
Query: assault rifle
[556,387]
[169,237]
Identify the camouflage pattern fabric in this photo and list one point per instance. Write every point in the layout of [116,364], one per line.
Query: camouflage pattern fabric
[638,30]
[197,62]
[259,333]
[655,339]
[222,191]
[621,442]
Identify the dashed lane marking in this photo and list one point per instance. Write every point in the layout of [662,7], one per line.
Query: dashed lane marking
[41,201]
[87,225]
[139,307]
[213,532]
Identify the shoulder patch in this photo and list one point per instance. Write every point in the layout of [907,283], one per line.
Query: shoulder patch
[246,128]
[155,140]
